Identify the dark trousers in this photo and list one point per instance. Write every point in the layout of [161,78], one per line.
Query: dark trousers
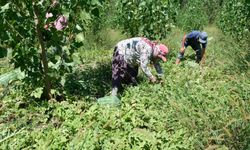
[122,72]
[197,48]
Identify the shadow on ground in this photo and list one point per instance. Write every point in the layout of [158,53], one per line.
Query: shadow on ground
[89,82]
[189,57]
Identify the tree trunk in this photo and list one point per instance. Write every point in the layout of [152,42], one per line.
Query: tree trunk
[47,86]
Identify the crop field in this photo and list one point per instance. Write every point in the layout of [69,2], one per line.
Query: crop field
[196,107]
[56,65]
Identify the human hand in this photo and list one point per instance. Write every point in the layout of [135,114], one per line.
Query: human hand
[152,79]
[182,49]
[202,62]
[177,61]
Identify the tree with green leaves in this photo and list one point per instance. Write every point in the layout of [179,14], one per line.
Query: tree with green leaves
[151,18]
[44,55]
[234,20]
[192,15]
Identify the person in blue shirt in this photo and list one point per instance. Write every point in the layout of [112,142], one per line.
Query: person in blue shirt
[198,41]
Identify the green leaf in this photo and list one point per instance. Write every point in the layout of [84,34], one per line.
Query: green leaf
[85,16]
[80,37]
[5,7]
[95,2]
[54,66]
[63,81]
[78,27]
[37,93]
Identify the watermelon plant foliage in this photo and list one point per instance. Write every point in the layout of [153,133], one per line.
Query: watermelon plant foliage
[196,106]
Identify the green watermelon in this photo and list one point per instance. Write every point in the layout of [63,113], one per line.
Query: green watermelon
[109,101]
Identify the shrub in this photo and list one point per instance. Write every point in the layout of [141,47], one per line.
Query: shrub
[234,19]
[192,16]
